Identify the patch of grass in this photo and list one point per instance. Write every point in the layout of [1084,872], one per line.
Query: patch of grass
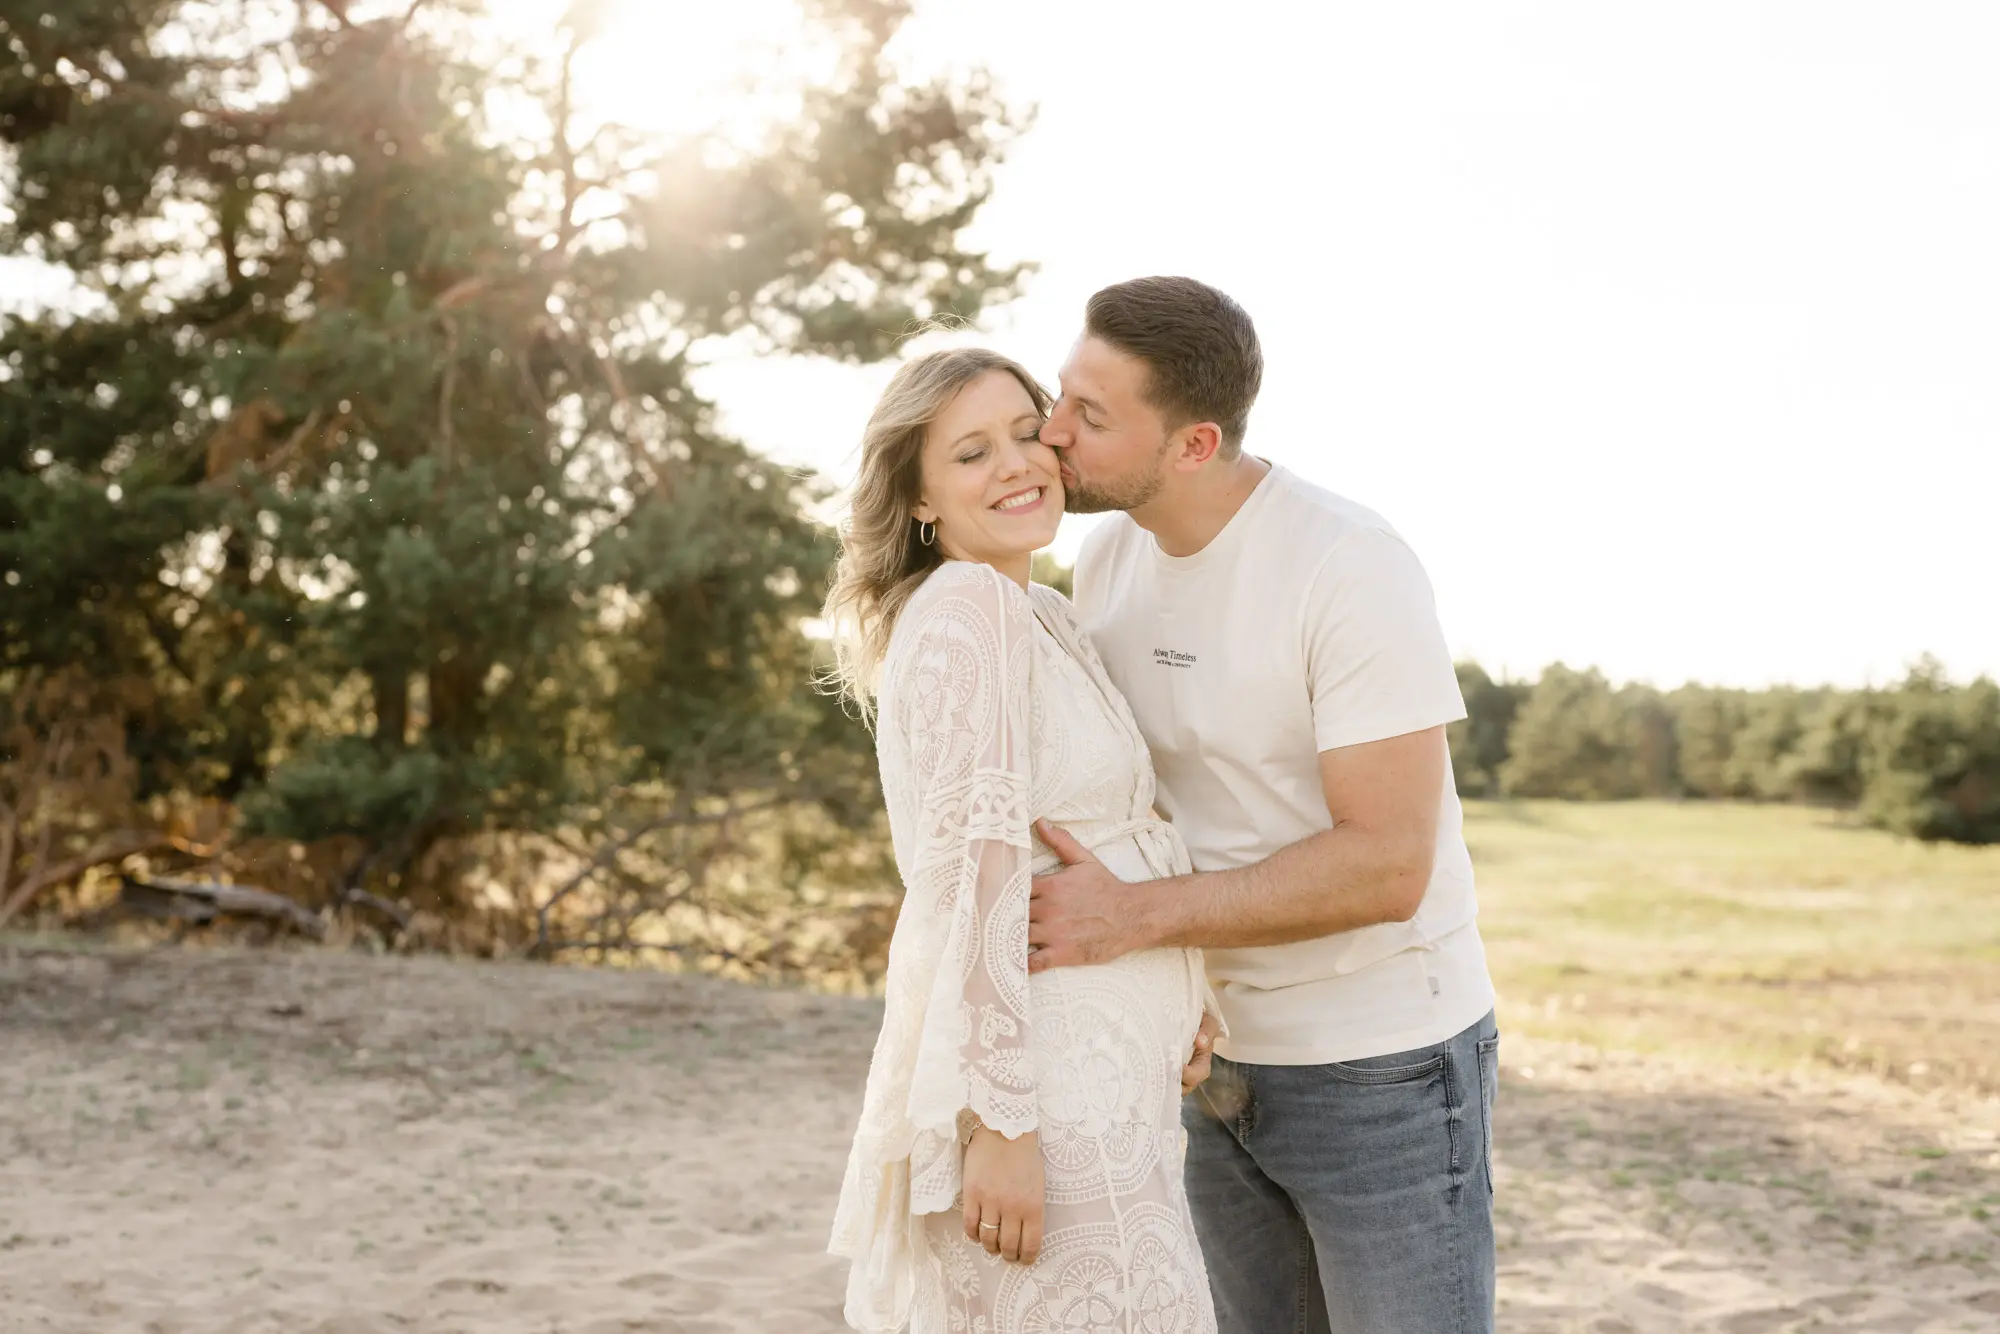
[1769,936]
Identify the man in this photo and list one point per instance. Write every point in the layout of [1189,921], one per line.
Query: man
[1281,651]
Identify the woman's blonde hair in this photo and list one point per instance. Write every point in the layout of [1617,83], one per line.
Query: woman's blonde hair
[883,560]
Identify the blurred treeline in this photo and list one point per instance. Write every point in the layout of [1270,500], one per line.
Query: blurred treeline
[1920,758]
[364,534]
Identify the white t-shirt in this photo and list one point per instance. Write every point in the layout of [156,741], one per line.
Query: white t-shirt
[1306,625]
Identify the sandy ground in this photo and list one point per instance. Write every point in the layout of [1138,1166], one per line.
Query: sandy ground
[209,1140]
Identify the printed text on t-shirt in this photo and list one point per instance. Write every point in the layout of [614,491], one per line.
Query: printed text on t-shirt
[1167,657]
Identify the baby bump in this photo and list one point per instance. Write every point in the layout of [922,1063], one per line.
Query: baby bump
[1108,1043]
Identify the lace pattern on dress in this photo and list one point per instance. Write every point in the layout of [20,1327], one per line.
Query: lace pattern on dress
[954,728]
[986,720]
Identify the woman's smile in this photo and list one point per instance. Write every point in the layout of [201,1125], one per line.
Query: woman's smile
[1019,501]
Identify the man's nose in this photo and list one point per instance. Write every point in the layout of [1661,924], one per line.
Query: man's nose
[1055,434]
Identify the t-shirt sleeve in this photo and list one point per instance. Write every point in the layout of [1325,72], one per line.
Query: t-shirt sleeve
[1376,656]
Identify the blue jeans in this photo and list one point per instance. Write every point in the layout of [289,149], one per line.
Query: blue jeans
[1352,1198]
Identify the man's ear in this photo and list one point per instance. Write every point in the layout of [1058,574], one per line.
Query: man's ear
[1195,444]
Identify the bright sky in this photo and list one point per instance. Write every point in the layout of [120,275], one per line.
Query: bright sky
[1668,335]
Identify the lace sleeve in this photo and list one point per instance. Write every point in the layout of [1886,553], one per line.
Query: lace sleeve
[965,705]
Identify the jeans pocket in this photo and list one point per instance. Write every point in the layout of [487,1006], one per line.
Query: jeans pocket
[1489,1091]
[1407,1067]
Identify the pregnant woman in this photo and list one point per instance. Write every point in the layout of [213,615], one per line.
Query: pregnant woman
[1017,1166]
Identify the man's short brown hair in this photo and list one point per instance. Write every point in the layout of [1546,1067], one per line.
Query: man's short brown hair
[1202,358]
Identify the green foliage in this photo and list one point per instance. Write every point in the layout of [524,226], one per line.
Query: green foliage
[344,785]
[1048,570]
[1931,767]
[1709,726]
[1825,763]
[1762,762]
[1577,736]
[1479,741]
[1921,758]
[370,446]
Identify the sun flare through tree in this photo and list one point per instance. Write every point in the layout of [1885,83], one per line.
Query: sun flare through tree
[363,480]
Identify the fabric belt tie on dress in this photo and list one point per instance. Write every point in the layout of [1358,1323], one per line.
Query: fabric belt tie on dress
[1161,848]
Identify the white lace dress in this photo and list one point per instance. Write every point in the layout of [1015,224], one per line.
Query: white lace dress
[994,711]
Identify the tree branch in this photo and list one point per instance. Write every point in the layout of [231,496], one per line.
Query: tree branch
[446,390]
[119,848]
[605,856]
[351,891]
[202,901]
[9,827]
[338,8]
[566,226]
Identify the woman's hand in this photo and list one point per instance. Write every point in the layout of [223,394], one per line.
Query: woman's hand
[1195,1072]
[1003,1194]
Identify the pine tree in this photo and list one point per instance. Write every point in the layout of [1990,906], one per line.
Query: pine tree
[370,446]
[1577,736]
[1930,764]
[1479,741]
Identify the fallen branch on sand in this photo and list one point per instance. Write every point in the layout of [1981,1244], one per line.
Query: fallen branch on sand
[202,901]
[116,848]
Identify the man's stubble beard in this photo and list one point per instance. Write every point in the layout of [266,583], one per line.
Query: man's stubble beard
[1124,493]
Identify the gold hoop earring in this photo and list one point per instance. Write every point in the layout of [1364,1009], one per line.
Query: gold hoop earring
[926,532]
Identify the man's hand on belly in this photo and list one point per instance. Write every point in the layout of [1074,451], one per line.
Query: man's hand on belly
[1082,913]
[1373,866]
